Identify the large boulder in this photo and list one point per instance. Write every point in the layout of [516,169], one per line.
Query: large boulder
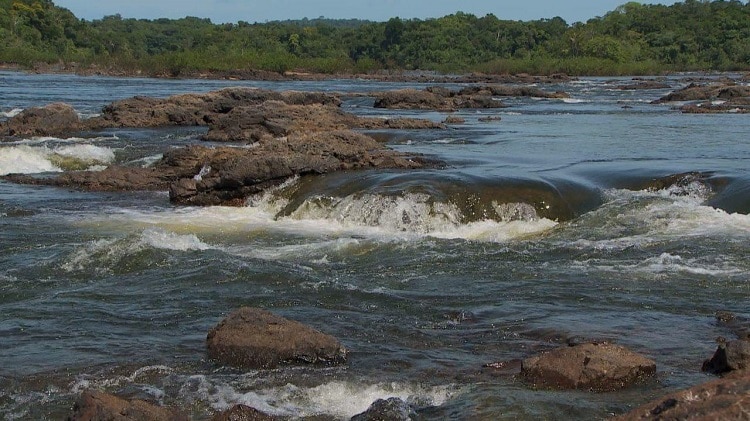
[598,367]
[99,406]
[722,399]
[252,338]
[729,356]
[50,120]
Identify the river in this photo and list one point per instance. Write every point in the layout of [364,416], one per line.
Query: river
[544,224]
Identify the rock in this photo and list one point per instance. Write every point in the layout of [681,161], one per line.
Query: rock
[243,413]
[644,85]
[454,120]
[699,92]
[98,406]
[252,338]
[723,399]
[729,356]
[391,409]
[511,91]
[50,120]
[434,99]
[597,367]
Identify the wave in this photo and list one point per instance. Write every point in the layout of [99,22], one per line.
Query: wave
[26,159]
[11,113]
[338,399]
[106,255]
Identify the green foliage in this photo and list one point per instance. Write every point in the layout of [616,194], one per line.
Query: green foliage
[632,39]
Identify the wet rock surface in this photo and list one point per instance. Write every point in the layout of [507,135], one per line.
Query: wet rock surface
[722,399]
[244,413]
[49,120]
[443,99]
[711,98]
[97,406]
[391,409]
[729,356]
[257,339]
[598,367]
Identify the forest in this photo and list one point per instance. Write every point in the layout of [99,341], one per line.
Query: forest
[632,39]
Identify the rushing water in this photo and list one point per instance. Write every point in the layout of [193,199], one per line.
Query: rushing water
[542,226]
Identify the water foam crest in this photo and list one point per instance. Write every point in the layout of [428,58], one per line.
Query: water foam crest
[414,213]
[166,240]
[25,159]
[338,399]
[106,254]
[12,113]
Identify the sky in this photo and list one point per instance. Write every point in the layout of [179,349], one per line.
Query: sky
[222,11]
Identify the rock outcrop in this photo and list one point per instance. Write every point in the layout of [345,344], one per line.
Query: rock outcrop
[711,98]
[443,99]
[50,120]
[722,399]
[96,406]
[597,367]
[729,356]
[252,338]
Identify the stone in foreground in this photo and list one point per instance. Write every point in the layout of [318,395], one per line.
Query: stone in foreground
[598,367]
[722,399]
[252,338]
[96,406]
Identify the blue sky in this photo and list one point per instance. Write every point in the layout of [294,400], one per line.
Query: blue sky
[220,11]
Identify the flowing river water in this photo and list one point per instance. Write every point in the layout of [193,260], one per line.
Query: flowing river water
[544,225]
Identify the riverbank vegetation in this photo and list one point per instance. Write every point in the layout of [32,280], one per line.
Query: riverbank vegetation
[632,39]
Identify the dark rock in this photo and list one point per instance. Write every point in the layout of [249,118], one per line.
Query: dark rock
[99,406]
[511,91]
[50,120]
[391,409]
[723,399]
[454,120]
[644,85]
[257,339]
[594,366]
[699,92]
[244,413]
[729,356]
[434,99]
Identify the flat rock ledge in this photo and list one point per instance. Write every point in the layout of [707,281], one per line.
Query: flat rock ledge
[443,99]
[723,399]
[253,338]
[96,406]
[598,367]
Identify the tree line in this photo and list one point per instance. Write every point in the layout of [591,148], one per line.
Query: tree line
[632,39]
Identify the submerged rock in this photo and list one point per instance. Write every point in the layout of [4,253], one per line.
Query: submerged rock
[723,399]
[49,120]
[96,406]
[597,367]
[244,413]
[258,339]
[391,409]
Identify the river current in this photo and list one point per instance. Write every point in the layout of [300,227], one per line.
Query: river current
[600,216]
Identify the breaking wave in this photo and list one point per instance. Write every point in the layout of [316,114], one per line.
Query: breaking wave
[26,159]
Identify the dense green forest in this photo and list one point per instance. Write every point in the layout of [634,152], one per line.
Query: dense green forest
[633,39]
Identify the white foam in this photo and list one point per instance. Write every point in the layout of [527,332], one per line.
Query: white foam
[574,100]
[12,113]
[27,159]
[24,159]
[105,254]
[338,399]
[166,240]
[87,152]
